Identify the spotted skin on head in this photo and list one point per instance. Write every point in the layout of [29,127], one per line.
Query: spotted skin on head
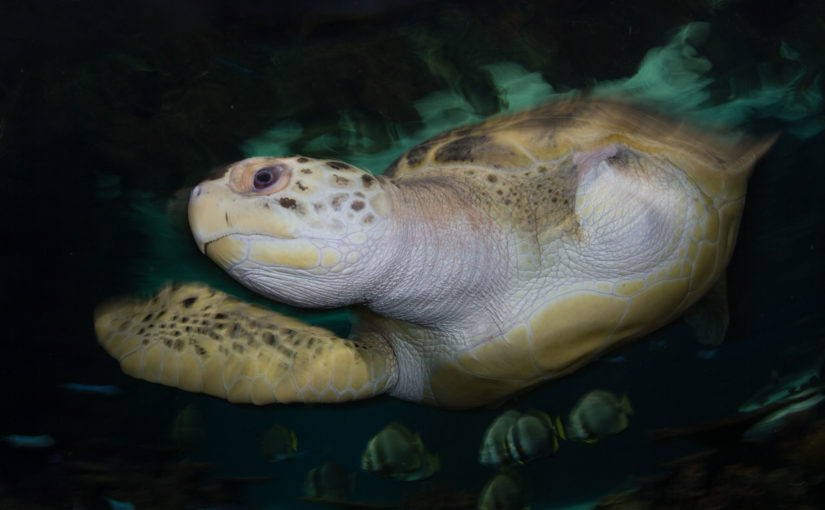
[306,217]
[316,195]
[202,340]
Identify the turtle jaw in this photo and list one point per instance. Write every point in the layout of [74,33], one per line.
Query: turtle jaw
[203,243]
[298,272]
[237,253]
[226,251]
[233,230]
[217,212]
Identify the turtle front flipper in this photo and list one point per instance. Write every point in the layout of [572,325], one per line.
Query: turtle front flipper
[199,339]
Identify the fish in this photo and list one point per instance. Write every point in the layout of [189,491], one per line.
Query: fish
[598,414]
[516,438]
[396,452]
[24,441]
[279,443]
[532,436]
[493,445]
[186,431]
[782,387]
[227,506]
[92,389]
[504,491]
[758,425]
[119,505]
[620,358]
[771,425]
[235,67]
[656,345]
[707,354]
[330,480]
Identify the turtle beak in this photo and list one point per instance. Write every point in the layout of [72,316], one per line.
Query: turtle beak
[224,219]
[207,219]
[193,195]
[211,221]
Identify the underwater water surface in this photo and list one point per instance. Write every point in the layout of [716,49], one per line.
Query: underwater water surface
[111,112]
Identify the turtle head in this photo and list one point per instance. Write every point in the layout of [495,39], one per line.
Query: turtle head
[287,227]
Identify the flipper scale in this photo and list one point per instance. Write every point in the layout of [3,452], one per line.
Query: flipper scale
[200,339]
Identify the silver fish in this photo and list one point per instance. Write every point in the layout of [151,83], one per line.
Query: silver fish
[782,387]
[598,414]
[516,438]
[395,452]
[91,389]
[504,491]
[330,480]
[279,443]
[493,448]
[773,424]
[24,441]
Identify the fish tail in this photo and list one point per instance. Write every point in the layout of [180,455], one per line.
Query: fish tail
[560,428]
[544,417]
[625,404]
[435,462]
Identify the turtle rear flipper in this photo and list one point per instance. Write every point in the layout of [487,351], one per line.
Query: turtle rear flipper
[200,339]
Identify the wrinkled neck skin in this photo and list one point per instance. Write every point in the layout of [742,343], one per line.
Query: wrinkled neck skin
[446,258]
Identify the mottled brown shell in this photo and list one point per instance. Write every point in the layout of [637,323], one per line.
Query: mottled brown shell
[515,142]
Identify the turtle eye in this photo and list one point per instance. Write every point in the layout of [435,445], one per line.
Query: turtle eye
[267,176]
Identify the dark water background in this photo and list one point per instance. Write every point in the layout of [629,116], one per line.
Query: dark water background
[108,109]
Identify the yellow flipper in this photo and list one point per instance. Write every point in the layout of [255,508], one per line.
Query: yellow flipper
[199,339]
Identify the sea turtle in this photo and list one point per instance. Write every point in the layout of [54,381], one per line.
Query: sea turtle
[482,262]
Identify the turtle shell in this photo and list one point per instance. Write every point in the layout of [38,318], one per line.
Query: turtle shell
[623,218]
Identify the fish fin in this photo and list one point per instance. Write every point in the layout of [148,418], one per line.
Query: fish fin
[560,428]
[625,403]
[435,462]
[541,415]
[709,317]
[119,505]
[513,473]
[239,352]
